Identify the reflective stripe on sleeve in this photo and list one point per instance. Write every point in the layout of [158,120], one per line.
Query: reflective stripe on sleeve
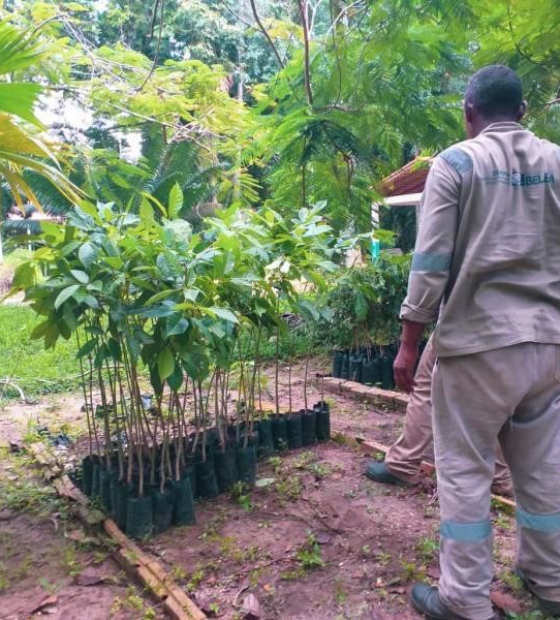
[458,159]
[430,262]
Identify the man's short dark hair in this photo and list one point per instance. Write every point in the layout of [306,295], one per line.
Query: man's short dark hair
[495,91]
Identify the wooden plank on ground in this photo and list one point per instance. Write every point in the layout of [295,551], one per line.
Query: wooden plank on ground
[375,395]
[149,572]
[66,488]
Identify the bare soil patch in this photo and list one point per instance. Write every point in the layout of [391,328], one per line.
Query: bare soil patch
[46,575]
[320,542]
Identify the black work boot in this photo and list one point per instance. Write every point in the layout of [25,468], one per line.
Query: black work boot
[551,609]
[380,473]
[425,599]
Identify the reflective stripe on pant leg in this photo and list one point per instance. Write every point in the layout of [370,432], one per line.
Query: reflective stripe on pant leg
[531,445]
[466,532]
[538,557]
[466,425]
[465,552]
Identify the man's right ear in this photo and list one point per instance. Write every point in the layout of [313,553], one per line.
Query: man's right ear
[522,110]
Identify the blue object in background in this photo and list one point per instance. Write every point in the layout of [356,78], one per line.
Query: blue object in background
[375,249]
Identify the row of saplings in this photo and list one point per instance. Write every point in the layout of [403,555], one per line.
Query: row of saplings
[199,467]
[365,365]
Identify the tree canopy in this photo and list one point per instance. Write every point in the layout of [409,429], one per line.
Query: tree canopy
[283,103]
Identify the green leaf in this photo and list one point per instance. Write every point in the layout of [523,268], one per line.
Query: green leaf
[175,202]
[87,254]
[224,313]
[114,261]
[146,211]
[159,296]
[65,294]
[24,276]
[115,349]
[156,381]
[175,379]
[40,330]
[86,348]
[19,99]
[16,51]
[176,325]
[166,363]
[76,7]
[81,276]
[192,294]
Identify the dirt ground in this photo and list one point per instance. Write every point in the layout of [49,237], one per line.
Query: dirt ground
[317,541]
[49,567]
[43,573]
[321,541]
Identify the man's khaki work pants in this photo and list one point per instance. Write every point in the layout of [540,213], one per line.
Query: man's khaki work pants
[511,394]
[405,455]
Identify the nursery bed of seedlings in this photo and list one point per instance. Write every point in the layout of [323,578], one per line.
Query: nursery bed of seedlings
[188,462]
[197,464]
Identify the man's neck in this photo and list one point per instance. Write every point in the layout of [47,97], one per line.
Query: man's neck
[486,122]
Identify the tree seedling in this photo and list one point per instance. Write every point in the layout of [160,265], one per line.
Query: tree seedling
[427,548]
[241,497]
[196,578]
[411,572]
[309,556]
[340,594]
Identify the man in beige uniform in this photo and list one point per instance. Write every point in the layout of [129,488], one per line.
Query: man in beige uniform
[488,247]
[404,457]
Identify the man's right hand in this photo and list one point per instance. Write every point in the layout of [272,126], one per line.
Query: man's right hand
[405,366]
[405,363]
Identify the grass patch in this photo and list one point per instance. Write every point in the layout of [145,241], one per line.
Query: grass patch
[24,360]
[37,371]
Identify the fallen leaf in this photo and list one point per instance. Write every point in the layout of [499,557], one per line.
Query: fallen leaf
[251,608]
[394,581]
[46,602]
[264,482]
[91,576]
[324,538]
[16,446]
[76,535]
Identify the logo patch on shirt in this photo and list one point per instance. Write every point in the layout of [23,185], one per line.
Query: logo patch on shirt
[518,179]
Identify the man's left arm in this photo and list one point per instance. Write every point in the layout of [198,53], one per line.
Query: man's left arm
[431,262]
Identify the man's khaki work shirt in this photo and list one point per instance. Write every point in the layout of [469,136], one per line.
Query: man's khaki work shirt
[487,256]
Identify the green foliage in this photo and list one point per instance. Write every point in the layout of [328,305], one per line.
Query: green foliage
[309,555]
[427,548]
[321,117]
[364,302]
[141,291]
[23,148]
